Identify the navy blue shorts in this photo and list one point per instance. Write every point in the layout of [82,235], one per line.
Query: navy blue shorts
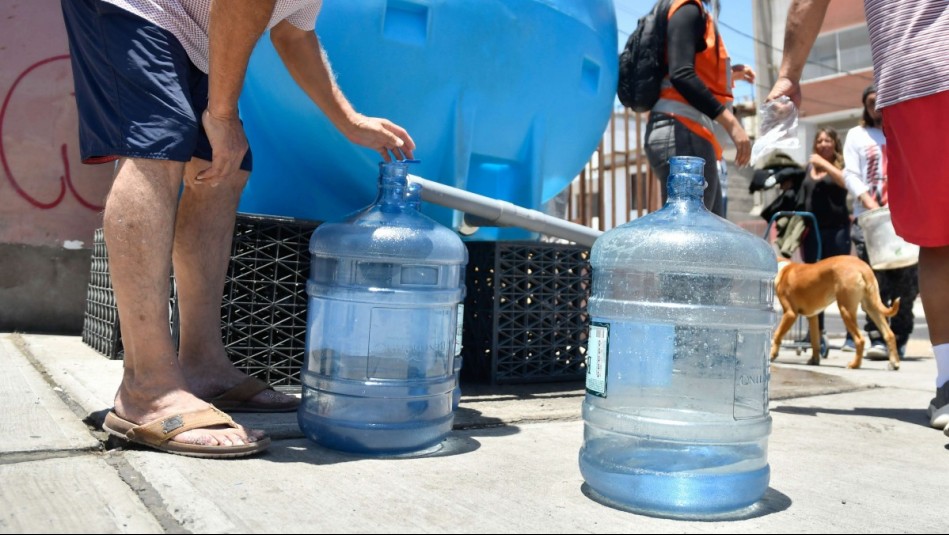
[137,92]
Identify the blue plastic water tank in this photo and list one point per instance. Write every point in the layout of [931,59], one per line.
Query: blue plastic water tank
[384,292]
[505,99]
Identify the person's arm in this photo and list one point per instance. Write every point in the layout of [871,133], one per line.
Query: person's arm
[234,28]
[854,172]
[836,174]
[736,131]
[742,72]
[800,31]
[304,58]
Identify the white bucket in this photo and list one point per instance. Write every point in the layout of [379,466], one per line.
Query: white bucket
[885,249]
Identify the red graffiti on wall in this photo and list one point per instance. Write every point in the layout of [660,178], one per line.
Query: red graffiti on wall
[65,180]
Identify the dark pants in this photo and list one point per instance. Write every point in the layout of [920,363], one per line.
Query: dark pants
[665,138]
[900,282]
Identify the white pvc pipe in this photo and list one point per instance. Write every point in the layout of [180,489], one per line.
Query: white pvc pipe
[503,213]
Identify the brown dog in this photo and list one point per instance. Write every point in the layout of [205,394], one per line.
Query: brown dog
[807,289]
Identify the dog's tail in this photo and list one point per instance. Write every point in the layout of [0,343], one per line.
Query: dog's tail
[890,312]
[873,296]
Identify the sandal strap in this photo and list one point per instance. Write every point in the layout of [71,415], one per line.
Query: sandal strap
[158,432]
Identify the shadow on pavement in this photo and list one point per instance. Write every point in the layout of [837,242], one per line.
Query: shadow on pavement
[911,416]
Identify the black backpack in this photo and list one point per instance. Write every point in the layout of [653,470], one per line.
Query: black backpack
[642,64]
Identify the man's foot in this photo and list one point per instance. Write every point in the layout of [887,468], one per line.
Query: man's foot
[144,409]
[230,390]
[160,434]
[939,408]
[254,395]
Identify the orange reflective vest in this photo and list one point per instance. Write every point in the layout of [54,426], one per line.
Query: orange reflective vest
[713,67]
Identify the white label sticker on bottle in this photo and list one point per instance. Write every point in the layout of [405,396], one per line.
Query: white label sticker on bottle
[597,350]
[458,331]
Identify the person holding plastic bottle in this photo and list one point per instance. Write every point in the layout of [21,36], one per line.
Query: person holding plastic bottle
[696,92]
[911,71]
[157,86]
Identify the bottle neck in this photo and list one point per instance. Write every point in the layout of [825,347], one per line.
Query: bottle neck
[686,188]
[413,196]
[392,183]
[391,192]
[686,183]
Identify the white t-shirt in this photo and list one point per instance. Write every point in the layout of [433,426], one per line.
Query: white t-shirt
[865,165]
[188,20]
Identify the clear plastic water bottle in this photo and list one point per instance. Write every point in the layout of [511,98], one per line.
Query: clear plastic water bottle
[676,416]
[384,289]
[413,197]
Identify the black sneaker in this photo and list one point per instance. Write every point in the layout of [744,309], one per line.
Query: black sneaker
[939,408]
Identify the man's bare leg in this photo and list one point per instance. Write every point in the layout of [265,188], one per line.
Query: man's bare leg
[934,291]
[202,250]
[139,224]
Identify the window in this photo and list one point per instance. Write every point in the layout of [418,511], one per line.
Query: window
[854,46]
[839,52]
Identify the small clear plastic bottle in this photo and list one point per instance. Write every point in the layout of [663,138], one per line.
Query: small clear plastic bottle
[384,289]
[676,418]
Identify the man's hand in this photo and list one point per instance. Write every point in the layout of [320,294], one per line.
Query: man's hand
[228,147]
[785,87]
[381,135]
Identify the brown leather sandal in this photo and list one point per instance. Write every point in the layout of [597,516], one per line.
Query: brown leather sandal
[159,433]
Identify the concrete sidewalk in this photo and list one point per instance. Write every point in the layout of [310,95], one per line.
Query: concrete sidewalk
[850,452]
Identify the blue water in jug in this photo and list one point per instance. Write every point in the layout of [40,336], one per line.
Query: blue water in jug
[384,289]
[676,416]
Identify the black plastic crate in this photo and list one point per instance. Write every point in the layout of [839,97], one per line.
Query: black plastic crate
[263,319]
[526,312]
[100,327]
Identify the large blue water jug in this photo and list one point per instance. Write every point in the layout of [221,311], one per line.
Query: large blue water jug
[676,416]
[384,290]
